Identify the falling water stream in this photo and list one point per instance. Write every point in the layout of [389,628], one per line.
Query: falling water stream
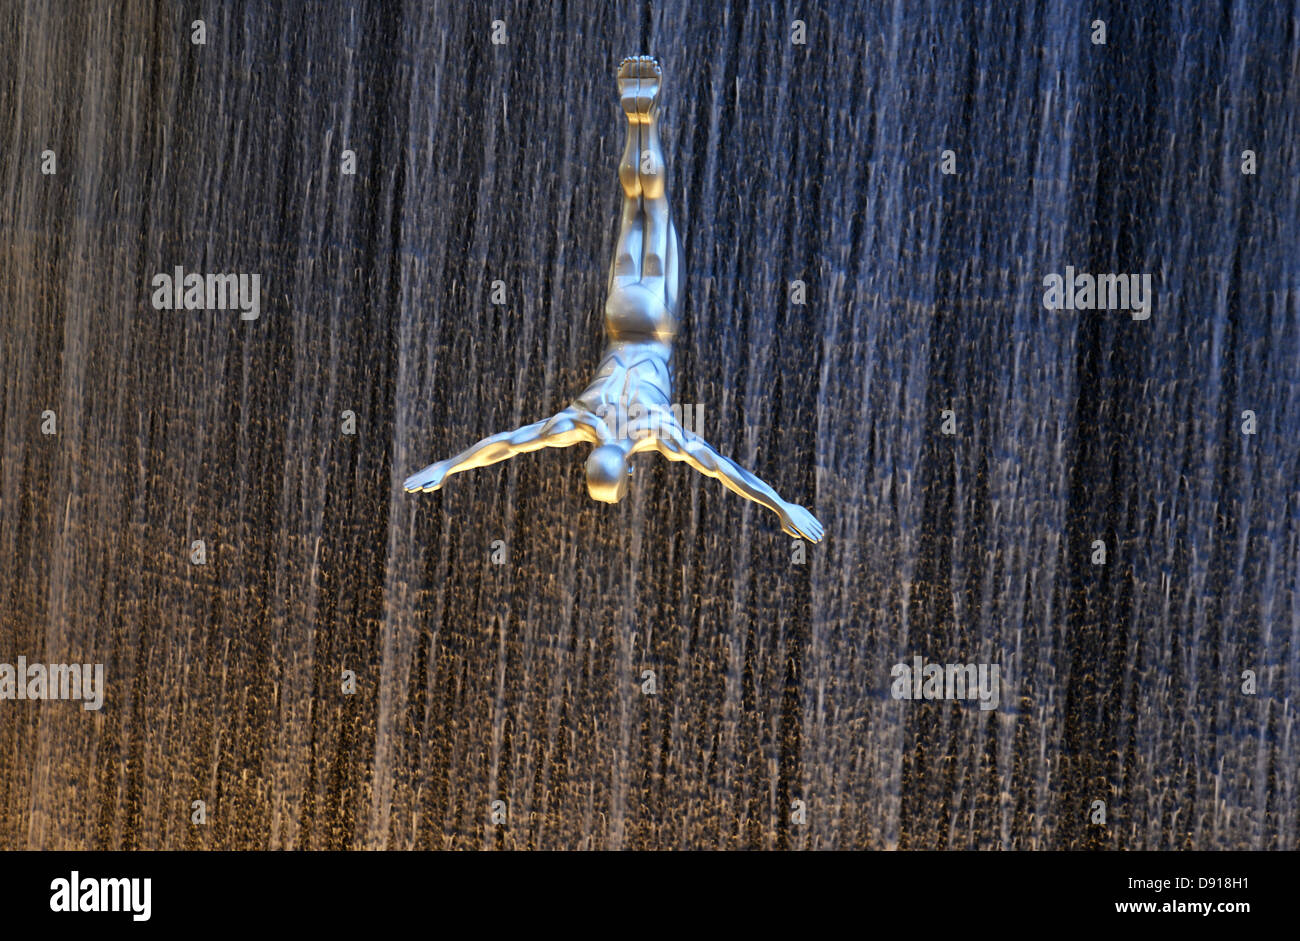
[499,632]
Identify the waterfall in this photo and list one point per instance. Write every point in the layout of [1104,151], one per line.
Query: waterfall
[352,666]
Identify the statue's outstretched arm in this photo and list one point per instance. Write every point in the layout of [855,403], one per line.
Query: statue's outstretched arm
[680,445]
[559,431]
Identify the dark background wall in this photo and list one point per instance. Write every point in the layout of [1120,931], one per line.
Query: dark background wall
[521,681]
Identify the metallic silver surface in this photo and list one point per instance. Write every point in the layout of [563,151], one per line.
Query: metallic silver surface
[632,389]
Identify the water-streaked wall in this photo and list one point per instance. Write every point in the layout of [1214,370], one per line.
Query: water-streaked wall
[522,681]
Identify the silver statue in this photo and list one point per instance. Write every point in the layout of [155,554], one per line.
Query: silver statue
[633,387]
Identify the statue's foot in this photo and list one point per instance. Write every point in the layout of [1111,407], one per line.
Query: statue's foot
[639,81]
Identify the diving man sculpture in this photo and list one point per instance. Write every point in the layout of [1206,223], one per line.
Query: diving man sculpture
[634,382]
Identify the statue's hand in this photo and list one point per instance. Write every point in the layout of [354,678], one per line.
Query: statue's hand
[797,521]
[427,480]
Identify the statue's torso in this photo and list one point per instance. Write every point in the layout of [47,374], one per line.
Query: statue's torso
[633,384]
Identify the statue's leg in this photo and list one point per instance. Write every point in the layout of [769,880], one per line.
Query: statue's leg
[654,200]
[627,256]
[643,113]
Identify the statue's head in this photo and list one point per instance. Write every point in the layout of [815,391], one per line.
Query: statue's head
[607,473]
